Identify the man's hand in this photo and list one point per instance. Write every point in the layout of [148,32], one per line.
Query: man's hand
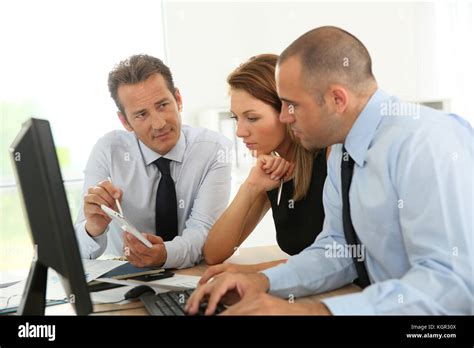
[104,193]
[226,267]
[140,255]
[230,287]
[264,304]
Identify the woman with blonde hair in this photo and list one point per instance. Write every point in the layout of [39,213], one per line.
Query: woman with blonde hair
[298,214]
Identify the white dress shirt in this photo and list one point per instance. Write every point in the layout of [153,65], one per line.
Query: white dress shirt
[202,178]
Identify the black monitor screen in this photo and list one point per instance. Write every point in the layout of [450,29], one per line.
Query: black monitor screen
[39,178]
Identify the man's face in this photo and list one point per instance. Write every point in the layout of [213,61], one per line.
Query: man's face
[313,124]
[152,112]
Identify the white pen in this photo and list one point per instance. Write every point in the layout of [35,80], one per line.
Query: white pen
[116,200]
[281,183]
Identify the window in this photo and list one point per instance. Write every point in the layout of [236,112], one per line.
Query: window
[55,60]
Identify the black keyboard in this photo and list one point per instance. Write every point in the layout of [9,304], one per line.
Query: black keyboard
[172,303]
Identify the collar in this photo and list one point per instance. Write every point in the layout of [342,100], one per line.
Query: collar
[363,130]
[175,154]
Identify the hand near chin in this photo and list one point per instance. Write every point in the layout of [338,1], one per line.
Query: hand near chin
[269,170]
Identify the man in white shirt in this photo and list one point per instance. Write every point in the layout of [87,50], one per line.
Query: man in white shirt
[173,181]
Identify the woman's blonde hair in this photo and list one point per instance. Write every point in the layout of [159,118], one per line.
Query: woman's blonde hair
[257,77]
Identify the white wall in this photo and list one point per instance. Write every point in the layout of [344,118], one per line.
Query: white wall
[206,40]
[445,35]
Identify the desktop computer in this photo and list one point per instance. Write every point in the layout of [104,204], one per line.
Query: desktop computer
[45,204]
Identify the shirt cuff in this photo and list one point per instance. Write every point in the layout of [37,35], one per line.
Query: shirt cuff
[351,304]
[172,250]
[91,245]
[280,279]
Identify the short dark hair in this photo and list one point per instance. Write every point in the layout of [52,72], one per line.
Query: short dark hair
[331,55]
[136,69]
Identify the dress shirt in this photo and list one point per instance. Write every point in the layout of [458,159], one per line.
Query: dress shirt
[199,170]
[411,202]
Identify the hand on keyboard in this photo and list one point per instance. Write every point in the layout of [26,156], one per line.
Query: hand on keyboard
[173,303]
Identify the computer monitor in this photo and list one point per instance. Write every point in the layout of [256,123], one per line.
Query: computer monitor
[39,177]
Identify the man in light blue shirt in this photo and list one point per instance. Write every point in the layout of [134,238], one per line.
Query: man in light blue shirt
[411,196]
[150,106]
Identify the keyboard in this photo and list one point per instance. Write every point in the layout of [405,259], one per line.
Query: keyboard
[173,303]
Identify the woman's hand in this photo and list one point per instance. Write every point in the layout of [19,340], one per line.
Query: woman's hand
[268,171]
[226,267]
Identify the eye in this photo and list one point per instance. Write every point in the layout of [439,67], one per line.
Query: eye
[252,118]
[162,106]
[140,115]
[232,116]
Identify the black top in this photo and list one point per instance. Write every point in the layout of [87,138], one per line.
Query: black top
[298,223]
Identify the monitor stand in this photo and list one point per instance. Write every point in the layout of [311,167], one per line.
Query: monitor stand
[34,296]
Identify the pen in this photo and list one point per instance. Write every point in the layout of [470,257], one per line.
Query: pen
[116,200]
[281,183]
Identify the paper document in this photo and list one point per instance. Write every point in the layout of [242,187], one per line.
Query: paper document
[95,268]
[10,297]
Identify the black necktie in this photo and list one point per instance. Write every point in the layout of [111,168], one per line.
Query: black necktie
[166,215]
[347,169]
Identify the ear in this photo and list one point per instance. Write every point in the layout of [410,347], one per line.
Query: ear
[339,97]
[179,100]
[124,121]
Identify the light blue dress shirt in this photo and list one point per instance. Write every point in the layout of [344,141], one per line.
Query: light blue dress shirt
[411,201]
[203,181]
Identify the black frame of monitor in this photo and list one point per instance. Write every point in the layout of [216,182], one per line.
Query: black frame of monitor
[45,203]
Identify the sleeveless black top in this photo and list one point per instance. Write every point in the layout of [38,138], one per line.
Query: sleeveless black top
[298,223]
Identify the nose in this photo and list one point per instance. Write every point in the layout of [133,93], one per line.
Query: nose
[286,116]
[242,130]
[157,122]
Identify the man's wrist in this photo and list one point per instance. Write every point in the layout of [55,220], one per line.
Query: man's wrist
[90,231]
[264,282]
[164,257]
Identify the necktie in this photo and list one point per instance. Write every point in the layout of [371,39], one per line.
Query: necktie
[166,215]
[347,169]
